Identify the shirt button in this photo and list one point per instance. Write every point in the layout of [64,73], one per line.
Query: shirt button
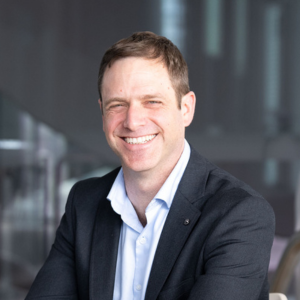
[138,287]
[143,240]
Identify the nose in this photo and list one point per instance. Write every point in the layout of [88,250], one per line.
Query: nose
[135,118]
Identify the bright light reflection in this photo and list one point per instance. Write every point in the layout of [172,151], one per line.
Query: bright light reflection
[240,28]
[173,22]
[213,27]
[272,66]
[13,145]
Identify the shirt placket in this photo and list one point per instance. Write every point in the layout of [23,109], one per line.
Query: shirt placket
[141,259]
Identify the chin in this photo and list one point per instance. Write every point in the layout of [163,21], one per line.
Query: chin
[139,165]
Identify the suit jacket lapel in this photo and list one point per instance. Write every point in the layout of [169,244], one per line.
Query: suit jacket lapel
[107,227]
[104,250]
[176,230]
[172,239]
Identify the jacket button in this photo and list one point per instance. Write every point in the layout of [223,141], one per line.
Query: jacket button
[186,222]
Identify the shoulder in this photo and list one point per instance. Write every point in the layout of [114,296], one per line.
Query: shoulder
[231,194]
[91,190]
[216,192]
[84,201]
[95,184]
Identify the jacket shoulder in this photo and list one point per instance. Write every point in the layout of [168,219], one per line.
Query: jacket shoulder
[86,194]
[216,189]
[95,186]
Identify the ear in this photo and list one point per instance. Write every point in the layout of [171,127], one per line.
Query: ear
[188,104]
[100,104]
[101,108]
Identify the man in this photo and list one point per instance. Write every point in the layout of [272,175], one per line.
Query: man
[168,224]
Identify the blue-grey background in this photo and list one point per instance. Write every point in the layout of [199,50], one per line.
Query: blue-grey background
[244,64]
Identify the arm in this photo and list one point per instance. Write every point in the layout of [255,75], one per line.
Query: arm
[56,279]
[237,252]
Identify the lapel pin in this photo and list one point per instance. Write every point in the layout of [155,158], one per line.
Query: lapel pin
[186,222]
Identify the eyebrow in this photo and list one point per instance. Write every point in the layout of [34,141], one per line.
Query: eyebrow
[152,96]
[115,99]
[144,97]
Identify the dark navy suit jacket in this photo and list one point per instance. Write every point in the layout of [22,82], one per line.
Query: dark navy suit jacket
[222,252]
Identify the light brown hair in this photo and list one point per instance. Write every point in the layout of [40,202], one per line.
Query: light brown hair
[150,46]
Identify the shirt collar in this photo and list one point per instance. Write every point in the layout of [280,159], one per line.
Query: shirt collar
[168,190]
[118,196]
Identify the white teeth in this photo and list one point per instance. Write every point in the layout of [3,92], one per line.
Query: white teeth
[140,140]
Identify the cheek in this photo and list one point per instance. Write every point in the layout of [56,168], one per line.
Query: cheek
[111,123]
[106,125]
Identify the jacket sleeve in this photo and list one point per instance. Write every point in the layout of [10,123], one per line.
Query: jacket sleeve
[237,253]
[57,279]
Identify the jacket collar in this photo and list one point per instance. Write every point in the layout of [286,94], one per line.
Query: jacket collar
[105,243]
[108,224]
[190,190]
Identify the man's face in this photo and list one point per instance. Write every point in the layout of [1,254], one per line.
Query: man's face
[141,119]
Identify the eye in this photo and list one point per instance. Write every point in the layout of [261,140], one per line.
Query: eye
[116,105]
[154,102]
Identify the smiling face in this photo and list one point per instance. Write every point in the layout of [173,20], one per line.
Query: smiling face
[141,119]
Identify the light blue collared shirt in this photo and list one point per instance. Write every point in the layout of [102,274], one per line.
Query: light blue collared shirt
[137,244]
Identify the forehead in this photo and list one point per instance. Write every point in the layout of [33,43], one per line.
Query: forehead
[135,74]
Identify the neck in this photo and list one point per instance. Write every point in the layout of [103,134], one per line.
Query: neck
[141,187]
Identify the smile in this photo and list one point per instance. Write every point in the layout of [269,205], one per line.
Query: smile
[140,140]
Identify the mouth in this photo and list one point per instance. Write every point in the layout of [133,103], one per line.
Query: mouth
[140,140]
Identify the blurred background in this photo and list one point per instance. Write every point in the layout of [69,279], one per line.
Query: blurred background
[244,64]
